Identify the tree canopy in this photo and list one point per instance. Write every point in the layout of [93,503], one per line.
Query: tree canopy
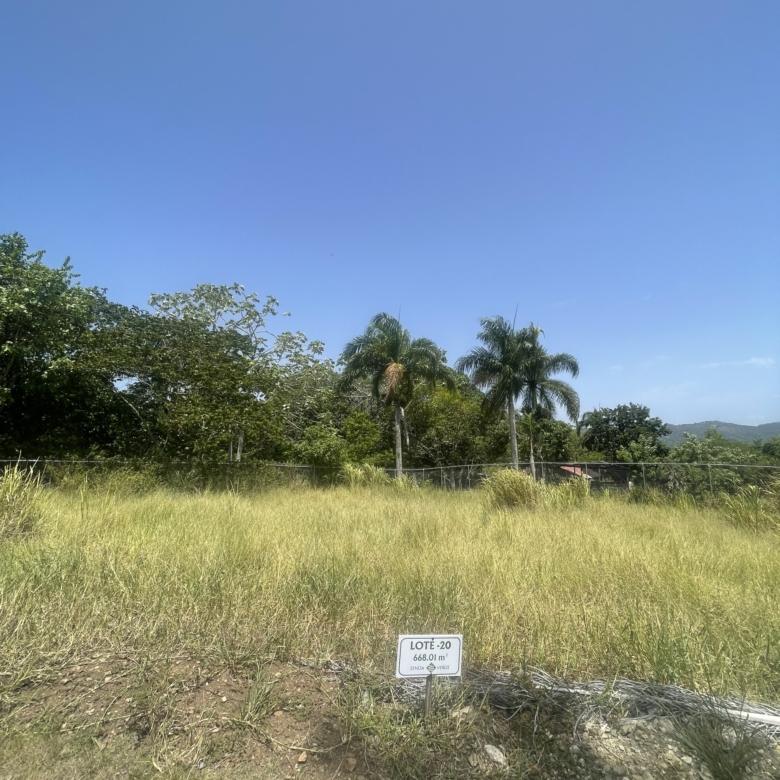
[611,430]
[211,375]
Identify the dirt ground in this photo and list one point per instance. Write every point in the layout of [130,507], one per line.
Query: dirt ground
[121,717]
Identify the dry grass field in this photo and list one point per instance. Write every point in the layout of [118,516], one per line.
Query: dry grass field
[594,588]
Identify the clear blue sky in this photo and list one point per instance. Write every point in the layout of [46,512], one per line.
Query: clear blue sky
[610,169]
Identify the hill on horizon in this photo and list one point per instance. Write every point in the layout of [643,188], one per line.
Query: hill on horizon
[746,433]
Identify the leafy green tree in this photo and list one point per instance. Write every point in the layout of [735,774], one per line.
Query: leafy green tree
[610,430]
[322,446]
[511,366]
[363,435]
[554,440]
[450,427]
[205,377]
[642,450]
[712,448]
[769,450]
[51,401]
[394,363]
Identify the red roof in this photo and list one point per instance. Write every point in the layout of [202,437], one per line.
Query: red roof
[578,471]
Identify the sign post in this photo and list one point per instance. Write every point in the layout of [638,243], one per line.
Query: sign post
[429,656]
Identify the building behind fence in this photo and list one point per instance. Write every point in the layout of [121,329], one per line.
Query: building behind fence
[698,479]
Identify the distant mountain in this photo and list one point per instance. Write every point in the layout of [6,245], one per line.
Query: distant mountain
[729,430]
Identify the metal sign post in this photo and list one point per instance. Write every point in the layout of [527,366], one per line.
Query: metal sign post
[429,691]
[429,656]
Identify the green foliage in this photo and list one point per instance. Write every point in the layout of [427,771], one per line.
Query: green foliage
[321,445]
[450,426]
[395,364]
[19,495]
[553,440]
[643,450]
[51,398]
[203,377]
[769,450]
[712,448]
[362,434]
[512,366]
[511,489]
[613,431]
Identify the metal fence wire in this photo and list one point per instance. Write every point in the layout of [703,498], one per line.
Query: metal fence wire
[668,477]
[697,479]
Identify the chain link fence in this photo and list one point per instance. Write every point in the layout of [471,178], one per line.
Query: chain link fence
[667,477]
[697,479]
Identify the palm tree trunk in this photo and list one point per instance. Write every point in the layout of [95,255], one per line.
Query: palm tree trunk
[399,465]
[510,412]
[531,442]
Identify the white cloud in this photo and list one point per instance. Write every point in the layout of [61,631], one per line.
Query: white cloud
[762,362]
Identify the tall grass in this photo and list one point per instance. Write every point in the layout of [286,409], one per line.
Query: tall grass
[754,508]
[20,490]
[598,587]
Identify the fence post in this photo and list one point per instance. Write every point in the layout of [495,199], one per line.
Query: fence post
[644,481]
[709,474]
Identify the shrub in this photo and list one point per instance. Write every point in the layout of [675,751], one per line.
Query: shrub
[363,475]
[19,492]
[508,489]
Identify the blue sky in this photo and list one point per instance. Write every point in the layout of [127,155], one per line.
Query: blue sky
[610,170]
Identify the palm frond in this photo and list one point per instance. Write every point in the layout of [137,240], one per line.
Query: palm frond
[562,362]
[565,395]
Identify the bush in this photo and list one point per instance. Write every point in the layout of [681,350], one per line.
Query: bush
[509,489]
[19,492]
[363,475]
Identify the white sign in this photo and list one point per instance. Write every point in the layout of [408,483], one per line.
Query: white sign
[422,654]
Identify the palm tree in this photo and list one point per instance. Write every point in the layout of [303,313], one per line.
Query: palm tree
[512,365]
[541,391]
[496,367]
[394,362]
